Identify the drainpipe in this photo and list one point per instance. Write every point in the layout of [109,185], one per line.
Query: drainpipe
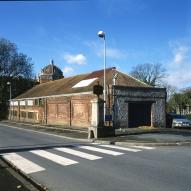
[45,112]
[70,113]
[19,110]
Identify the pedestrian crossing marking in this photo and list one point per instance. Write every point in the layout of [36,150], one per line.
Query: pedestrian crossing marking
[22,163]
[53,157]
[120,148]
[78,153]
[144,147]
[27,166]
[109,152]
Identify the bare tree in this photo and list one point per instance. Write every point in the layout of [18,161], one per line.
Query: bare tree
[13,63]
[16,68]
[151,74]
[170,90]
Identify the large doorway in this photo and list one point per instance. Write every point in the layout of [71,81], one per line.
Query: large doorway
[139,114]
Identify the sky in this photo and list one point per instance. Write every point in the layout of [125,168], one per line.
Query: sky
[136,31]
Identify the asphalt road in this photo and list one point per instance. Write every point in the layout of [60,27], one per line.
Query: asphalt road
[67,165]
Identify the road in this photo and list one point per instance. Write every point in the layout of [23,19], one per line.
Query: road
[68,165]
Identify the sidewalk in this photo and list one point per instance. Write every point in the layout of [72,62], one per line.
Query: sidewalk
[126,137]
[150,137]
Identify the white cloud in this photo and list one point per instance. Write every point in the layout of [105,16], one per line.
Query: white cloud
[75,59]
[180,78]
[180,54]
[68,70]
[178,58]
[180,65]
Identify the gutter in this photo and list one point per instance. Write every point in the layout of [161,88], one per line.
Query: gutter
[60,95]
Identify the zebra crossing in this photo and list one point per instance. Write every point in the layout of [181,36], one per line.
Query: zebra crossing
[28,167]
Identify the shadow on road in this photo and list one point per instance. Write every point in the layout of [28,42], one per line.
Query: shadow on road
[23,148]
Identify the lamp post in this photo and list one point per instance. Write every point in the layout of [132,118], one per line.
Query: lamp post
[10,96]
[10,93]
[101,34]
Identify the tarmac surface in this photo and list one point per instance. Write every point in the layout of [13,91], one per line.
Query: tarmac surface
[154,137]
[141,136]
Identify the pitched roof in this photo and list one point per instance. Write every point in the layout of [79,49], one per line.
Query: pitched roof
[52,69]
[85,84]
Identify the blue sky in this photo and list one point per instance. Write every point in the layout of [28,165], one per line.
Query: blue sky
[137,32]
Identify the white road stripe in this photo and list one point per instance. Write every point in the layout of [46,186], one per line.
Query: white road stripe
[78,153]
[22,163]
[55,158]
[143,147]
[109,152]
[120,148]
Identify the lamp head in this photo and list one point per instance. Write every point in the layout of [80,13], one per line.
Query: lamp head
[101,34]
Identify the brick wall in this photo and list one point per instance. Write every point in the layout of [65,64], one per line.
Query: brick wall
[67,111]
[71,111]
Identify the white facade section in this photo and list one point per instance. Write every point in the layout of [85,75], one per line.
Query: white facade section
[14,103]
[84,83]
[22,103]
[30,102]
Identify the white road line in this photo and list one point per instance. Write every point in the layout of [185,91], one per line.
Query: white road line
[22,163]
[109,152]
[78,153]
[120,148]
[55,158]
[143,147]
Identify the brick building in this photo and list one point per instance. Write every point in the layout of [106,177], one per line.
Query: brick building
[50,73]
[71,102]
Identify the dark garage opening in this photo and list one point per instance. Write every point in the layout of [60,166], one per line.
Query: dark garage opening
[139,114]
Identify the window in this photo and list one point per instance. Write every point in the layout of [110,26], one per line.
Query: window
[39,102]
[14,113]
[30,102]
[30,115]
[23,114]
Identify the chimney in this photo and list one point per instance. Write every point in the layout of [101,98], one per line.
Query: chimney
[52,63]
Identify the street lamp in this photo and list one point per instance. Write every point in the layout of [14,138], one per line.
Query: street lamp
[10,93]
[101,34]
